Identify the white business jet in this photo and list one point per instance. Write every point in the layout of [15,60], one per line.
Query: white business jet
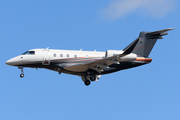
[90,65]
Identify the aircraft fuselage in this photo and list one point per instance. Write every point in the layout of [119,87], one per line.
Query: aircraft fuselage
[90,65]
[58,59]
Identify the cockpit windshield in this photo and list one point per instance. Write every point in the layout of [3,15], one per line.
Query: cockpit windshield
[29,53]
[25,53]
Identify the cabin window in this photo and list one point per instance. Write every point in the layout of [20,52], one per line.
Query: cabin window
[54,55]
[67,55]
[61,55]
[75,56]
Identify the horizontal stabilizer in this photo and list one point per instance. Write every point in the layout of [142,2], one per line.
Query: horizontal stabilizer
[160,32]
[157,34]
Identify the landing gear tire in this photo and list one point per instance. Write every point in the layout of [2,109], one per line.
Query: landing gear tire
[87,82]
[93,78]
[21,75]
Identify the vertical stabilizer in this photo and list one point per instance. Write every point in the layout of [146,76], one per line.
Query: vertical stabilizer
[146,41]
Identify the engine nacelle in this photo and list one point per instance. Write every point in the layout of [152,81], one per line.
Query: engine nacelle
[110,53]
[129,57]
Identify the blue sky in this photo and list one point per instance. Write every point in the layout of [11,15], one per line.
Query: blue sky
[149,92]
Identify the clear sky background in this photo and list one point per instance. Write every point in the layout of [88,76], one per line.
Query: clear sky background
[149,92]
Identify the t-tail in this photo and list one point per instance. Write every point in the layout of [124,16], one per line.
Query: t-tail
[143,45]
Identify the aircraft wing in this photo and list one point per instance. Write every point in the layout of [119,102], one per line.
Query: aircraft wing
[99,65]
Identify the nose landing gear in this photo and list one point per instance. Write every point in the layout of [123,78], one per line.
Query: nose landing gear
[22,72]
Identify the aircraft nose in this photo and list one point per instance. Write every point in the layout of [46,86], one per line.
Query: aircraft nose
[14,61]
[9,62]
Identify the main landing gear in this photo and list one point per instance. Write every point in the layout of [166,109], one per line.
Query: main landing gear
[87,79]
[22,72]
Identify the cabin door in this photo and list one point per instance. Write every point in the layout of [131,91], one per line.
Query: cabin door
[46,58]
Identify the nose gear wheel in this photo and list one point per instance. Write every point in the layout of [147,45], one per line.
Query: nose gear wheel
[22,75]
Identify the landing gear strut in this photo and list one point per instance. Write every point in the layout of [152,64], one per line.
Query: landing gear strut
[22,72]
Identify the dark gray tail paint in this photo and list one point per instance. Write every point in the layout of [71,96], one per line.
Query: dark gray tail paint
[143,45]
